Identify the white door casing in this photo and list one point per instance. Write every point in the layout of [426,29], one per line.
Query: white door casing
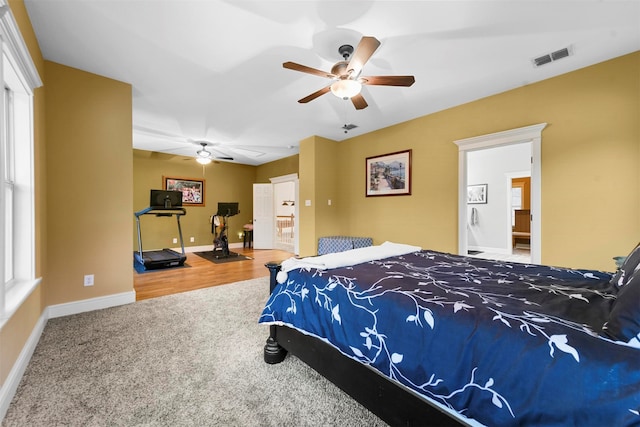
[531,133]
[292,178]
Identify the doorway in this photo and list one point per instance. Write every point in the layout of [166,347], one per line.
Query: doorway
[520,212]
[275,214]
[489,225]
[530,134]
[284,198]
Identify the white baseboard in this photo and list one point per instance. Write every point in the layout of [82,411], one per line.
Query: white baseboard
[10,385]
[191,249]
[90,304]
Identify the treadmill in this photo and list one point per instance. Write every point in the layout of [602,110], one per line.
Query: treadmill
[162,204]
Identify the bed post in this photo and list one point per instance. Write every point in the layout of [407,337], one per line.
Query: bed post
[273,353]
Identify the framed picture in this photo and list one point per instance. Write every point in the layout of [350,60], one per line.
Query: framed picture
[389,174]
[192,189]
[477,194]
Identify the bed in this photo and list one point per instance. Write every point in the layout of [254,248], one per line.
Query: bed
[422,337]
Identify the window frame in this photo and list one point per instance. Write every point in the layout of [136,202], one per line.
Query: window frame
[8,192]
[19,79]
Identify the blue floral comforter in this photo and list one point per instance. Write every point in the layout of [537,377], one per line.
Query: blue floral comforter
[504,344]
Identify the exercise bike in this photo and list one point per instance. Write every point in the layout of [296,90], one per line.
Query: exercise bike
[220,239]
[219,229]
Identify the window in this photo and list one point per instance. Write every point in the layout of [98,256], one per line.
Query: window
[8,186]
[17,214]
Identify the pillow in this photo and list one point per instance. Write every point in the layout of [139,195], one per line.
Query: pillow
[624,273]
[624,320]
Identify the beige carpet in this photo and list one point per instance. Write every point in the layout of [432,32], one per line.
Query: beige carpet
[190,359]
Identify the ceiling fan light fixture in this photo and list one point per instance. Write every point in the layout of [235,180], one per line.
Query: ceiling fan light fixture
[346,88]
[203,153]
[204,156]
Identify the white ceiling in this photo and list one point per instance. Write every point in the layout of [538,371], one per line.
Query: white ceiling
[212,70]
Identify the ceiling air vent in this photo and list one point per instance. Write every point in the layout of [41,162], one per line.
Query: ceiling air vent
[559,54]
[553,56]
[541,60]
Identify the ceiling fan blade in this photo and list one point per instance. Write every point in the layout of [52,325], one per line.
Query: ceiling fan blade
[219,155]
[361,55]
[388,80]
[314,95]
[359,102]
[303,68]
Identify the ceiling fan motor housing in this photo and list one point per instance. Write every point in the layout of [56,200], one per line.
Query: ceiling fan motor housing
[345,51]
[340,69]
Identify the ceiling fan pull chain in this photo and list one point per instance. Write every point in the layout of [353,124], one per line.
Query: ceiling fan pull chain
[346,125]
[345,114]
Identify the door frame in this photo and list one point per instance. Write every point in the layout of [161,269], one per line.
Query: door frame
[509,176]
[296,224]
[531,134]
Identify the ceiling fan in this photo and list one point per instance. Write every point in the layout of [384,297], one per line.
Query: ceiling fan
[205,156]
[345,74]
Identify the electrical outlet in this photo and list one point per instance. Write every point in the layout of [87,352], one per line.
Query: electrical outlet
[88,279]
[192,239]
[175,240]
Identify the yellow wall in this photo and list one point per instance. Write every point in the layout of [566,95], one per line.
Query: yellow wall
[320,180]
[16,331]
[307,191]
[590,174]
[286,166]
[89,179]
[224,182]
[328,180]
[427,217]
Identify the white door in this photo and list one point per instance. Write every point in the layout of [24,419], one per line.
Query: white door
[263,216]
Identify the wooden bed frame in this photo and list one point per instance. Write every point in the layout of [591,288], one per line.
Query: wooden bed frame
[391,402]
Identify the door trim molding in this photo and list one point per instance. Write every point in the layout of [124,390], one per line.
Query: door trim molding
[284,178]
[531,134]
[292,177]
[508,177]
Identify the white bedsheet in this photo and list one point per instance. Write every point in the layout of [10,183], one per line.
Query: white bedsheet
[346,258]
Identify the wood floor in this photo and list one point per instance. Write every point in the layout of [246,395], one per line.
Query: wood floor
[202,273]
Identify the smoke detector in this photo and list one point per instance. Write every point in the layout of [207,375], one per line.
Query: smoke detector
[348,127]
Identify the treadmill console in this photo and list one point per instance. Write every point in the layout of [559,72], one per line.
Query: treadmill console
[164,199]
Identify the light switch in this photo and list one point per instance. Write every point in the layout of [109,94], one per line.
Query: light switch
[307,202]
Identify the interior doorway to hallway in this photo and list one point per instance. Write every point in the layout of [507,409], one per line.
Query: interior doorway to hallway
[490,225]
[275,214]
[499,239]
[284,198]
